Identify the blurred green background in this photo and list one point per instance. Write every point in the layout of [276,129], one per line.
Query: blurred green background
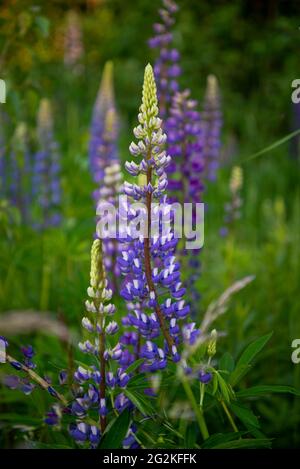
[253,49]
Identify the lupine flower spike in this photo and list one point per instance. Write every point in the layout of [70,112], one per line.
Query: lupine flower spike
[184,146]
[104,129]
[46,177]
[96,383]
[166,68]
[18,172]
[152,272]
[211,128]
[104,160]
[73,46]
[108,194]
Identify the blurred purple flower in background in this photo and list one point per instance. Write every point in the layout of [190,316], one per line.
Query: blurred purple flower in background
[166,67]
[46,175]
[211,128]
[104,128]
[73,44]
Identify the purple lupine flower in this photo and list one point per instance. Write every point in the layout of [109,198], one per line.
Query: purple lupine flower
[186,169]
[28,353]
[205,377]
[18,173]
[73,44]
[211,128]
[46,177]
[129,441]
[184,146]
[108,194]
[97,382]
[63,377]
[166,68]
[104,161]
[104,129]
[53,416]
[3,163]
[182,125]
[148,262]
[22,384]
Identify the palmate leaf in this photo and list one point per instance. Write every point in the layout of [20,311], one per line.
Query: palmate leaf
[262,390]
[244,363]
[115,434]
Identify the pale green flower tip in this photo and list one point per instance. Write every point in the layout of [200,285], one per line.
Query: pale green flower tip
[105,97]
[148,69]
[97,270]
[149,89]
[212,345]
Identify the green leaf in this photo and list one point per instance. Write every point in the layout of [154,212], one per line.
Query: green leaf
[238,374]
[112,439]
[215,384]
[219,438]
[190,436]
[138,382]
[253,349]
[274,145]
[243,364]
[134,365]
[267,389]
[245,415]
[225,389]
[226,362]
[43,25]
[139,400]
[21,419]
[245,443]
[40,445]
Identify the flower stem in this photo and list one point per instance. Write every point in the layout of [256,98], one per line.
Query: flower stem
[102,374]
[38,379]
[148,268]
[198,412]
[226,410]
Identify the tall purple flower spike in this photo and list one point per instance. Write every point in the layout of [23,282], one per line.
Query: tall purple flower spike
[152,286]
[104,161]
[2,164]
[73,44]
[15,172]
[96,382]
[182,120]
[104,129]
[211,128]
[184,145]
[108,193]
[46,176]
[166,68]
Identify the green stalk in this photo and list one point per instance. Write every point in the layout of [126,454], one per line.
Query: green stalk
[198,412]
[229,416]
